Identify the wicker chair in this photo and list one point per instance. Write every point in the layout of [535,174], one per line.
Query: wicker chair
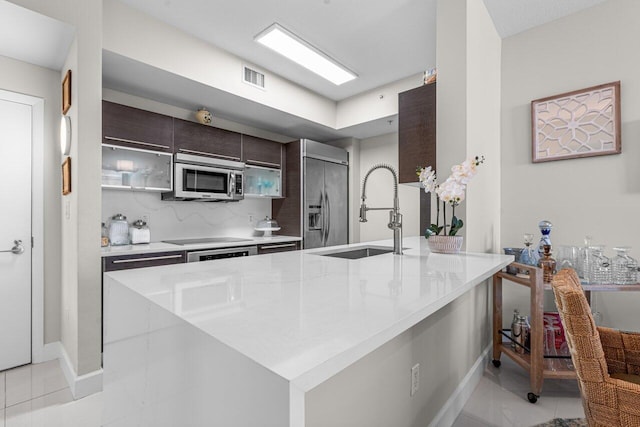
[607,361]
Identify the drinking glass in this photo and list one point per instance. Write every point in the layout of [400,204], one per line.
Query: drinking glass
[599,267]
[625,268]
[567,257]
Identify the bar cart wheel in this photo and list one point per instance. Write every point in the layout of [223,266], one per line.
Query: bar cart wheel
[496,363]
[532,397]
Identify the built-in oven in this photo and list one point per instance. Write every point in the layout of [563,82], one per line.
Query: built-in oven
[200,178]
[211,254]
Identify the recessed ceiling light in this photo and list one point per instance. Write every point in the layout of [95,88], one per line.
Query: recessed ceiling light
[293,47]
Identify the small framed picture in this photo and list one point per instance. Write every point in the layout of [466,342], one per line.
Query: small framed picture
[66,92]
[66,176]
[582,123]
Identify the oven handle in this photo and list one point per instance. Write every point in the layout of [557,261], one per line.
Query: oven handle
[193,256]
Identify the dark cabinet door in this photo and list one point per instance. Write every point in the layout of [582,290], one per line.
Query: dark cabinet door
[261,152]
[131,127]
[416,131]
[126,262]
[197,139]
[271,248]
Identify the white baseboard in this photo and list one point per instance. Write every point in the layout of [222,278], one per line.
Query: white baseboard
[81,386]
[453,406]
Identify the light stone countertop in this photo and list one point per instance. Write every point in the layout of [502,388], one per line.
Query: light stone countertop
[305,316]
[167,247]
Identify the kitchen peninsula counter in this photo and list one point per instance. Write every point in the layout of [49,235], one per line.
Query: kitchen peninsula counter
[274,326]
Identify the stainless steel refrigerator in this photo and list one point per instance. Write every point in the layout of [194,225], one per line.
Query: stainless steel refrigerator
[325,195]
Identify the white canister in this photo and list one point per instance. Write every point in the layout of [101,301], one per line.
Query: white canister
[139,232]
[119,230]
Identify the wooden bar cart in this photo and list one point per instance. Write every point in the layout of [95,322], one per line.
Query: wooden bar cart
[533,359]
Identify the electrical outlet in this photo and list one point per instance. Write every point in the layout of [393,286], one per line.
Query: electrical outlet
[415,378]
[146,217]
[250,218]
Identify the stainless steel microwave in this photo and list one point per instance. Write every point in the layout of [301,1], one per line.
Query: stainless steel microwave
[199,178]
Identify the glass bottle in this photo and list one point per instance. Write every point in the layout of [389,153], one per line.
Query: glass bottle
[599,266]
[516,315]
[529,255]
[624,268]
[104,241]
[548,265]
[545,228]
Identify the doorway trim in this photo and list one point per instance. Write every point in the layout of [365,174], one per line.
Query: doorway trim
[37,220]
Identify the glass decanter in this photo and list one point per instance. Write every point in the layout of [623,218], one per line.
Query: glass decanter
[624,268]
[548,265]
[599,266]
[545,228]
[529,255]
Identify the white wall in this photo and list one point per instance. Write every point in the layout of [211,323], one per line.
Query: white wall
[599,196]
[468,114]
[20,77]
[352,145]
[80,322]
[483,129]
[384,149]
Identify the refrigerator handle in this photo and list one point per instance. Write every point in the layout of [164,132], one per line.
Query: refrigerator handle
[326,198]
[323,197]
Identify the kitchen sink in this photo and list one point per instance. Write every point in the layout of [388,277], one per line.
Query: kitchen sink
[362,252]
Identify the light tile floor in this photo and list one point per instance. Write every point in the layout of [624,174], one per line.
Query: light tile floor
[38,396]
[501,399]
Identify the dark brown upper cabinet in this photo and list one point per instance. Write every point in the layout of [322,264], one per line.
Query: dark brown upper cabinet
[416,131]
[261,152]
[197,139]
[131,127]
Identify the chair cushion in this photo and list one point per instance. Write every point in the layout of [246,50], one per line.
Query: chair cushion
[627,377]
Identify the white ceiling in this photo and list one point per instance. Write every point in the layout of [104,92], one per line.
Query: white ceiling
[380,40]
[383,41]
[514,16]
[33,38]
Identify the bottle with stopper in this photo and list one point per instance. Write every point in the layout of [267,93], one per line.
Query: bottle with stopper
[548,265]
[545,228]
[529,255]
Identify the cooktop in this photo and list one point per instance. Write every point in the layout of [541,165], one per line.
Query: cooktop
[183,242]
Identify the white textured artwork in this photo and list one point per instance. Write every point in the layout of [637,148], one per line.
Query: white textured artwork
[582,123]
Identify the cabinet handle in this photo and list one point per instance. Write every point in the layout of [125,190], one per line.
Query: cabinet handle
[202,153]
[155,258]
[259,162]
[286,245]
[131,141]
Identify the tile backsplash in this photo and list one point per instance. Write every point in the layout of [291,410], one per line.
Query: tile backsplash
[174,220]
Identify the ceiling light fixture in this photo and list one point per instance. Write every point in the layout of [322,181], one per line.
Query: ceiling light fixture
[293,47]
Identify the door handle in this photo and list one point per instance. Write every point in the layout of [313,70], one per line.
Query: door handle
[17,249]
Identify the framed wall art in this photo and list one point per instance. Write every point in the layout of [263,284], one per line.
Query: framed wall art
[66,176]
[582,123]
[66,92]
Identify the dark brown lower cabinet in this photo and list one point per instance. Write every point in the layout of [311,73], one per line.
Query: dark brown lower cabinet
[126,262]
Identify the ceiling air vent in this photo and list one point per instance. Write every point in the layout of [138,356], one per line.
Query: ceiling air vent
[252,77]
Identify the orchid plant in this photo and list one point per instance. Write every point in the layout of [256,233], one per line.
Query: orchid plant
[451,192]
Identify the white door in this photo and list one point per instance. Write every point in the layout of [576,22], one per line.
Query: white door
[15,226]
